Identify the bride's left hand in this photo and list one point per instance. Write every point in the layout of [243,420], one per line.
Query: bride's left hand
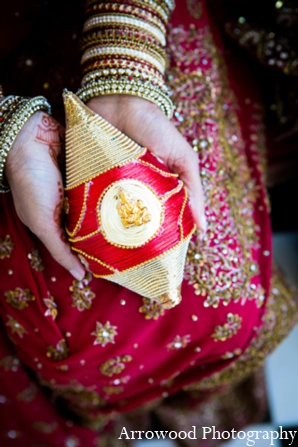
[146,124]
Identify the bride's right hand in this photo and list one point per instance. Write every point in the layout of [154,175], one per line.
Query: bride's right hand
[36,185]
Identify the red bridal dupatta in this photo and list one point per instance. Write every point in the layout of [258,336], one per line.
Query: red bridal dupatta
[76,354]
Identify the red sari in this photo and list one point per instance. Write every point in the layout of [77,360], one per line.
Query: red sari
[97,349]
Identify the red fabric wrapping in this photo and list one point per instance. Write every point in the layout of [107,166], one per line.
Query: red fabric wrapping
[97,246]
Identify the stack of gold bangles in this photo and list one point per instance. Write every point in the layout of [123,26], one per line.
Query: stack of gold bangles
[14,112]
[123,50]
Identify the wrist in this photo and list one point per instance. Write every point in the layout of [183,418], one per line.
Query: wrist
[118,110]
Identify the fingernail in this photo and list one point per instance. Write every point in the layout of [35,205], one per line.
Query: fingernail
[204,223]
[76,274]
[202,235]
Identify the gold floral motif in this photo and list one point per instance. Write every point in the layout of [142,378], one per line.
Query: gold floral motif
[228,329]
[10,363]
[28,394]
[115,365]
[151,309]
[19,298]
[113,390]
[120,381]
[35,260]
[16,328]
[62,367]
[6,247]
[81,293]
[230,355]
[104,333]
[45,427]
[132,212]
[60,352]
[51,307]
[179,342]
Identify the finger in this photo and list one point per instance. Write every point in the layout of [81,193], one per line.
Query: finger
[178,155]
[54,240]
[186,166]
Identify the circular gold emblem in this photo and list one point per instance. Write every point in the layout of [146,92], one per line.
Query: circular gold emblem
[130,213]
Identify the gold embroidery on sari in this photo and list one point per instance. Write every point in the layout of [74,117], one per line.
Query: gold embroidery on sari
[104,333]
[219,266]
[81,293]
[51,307]
[179,342]
[19,298]
[58,352]
[35,260]
[228,329]
[6,247]
[151,309]
[115,365]
[15,326]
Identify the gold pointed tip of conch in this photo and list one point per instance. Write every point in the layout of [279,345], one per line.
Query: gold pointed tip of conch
[170,300]
[75,111]
[93,145]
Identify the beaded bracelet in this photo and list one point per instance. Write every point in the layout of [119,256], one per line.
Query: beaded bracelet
[126,76]
[116,19]
[8,107]
[134,88]
[155,4]
[114,33]
[129,42]
[92,76]
[121,62]
[134,11]
[96,52]
[156,9]
[13,126]
[123,48]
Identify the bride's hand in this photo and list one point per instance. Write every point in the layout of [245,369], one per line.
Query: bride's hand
[146,124]
[35,181]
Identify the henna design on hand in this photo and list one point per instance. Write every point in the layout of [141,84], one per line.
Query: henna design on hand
[51,133]
[59,213]
[59,207]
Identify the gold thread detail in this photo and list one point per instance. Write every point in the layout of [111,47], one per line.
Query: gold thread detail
[101,225]
[82,213]
[92,258]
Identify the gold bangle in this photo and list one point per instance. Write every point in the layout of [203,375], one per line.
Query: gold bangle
[154,7]
[118,20]
[156,61]
[167,6]
[130,42]
[159,54]
[133,88]
[124,75]
[130,11]
[142,74]
[13,127]
[116,33]
[121,63]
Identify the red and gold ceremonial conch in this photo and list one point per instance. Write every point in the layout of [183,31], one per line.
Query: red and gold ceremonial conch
[128,216]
